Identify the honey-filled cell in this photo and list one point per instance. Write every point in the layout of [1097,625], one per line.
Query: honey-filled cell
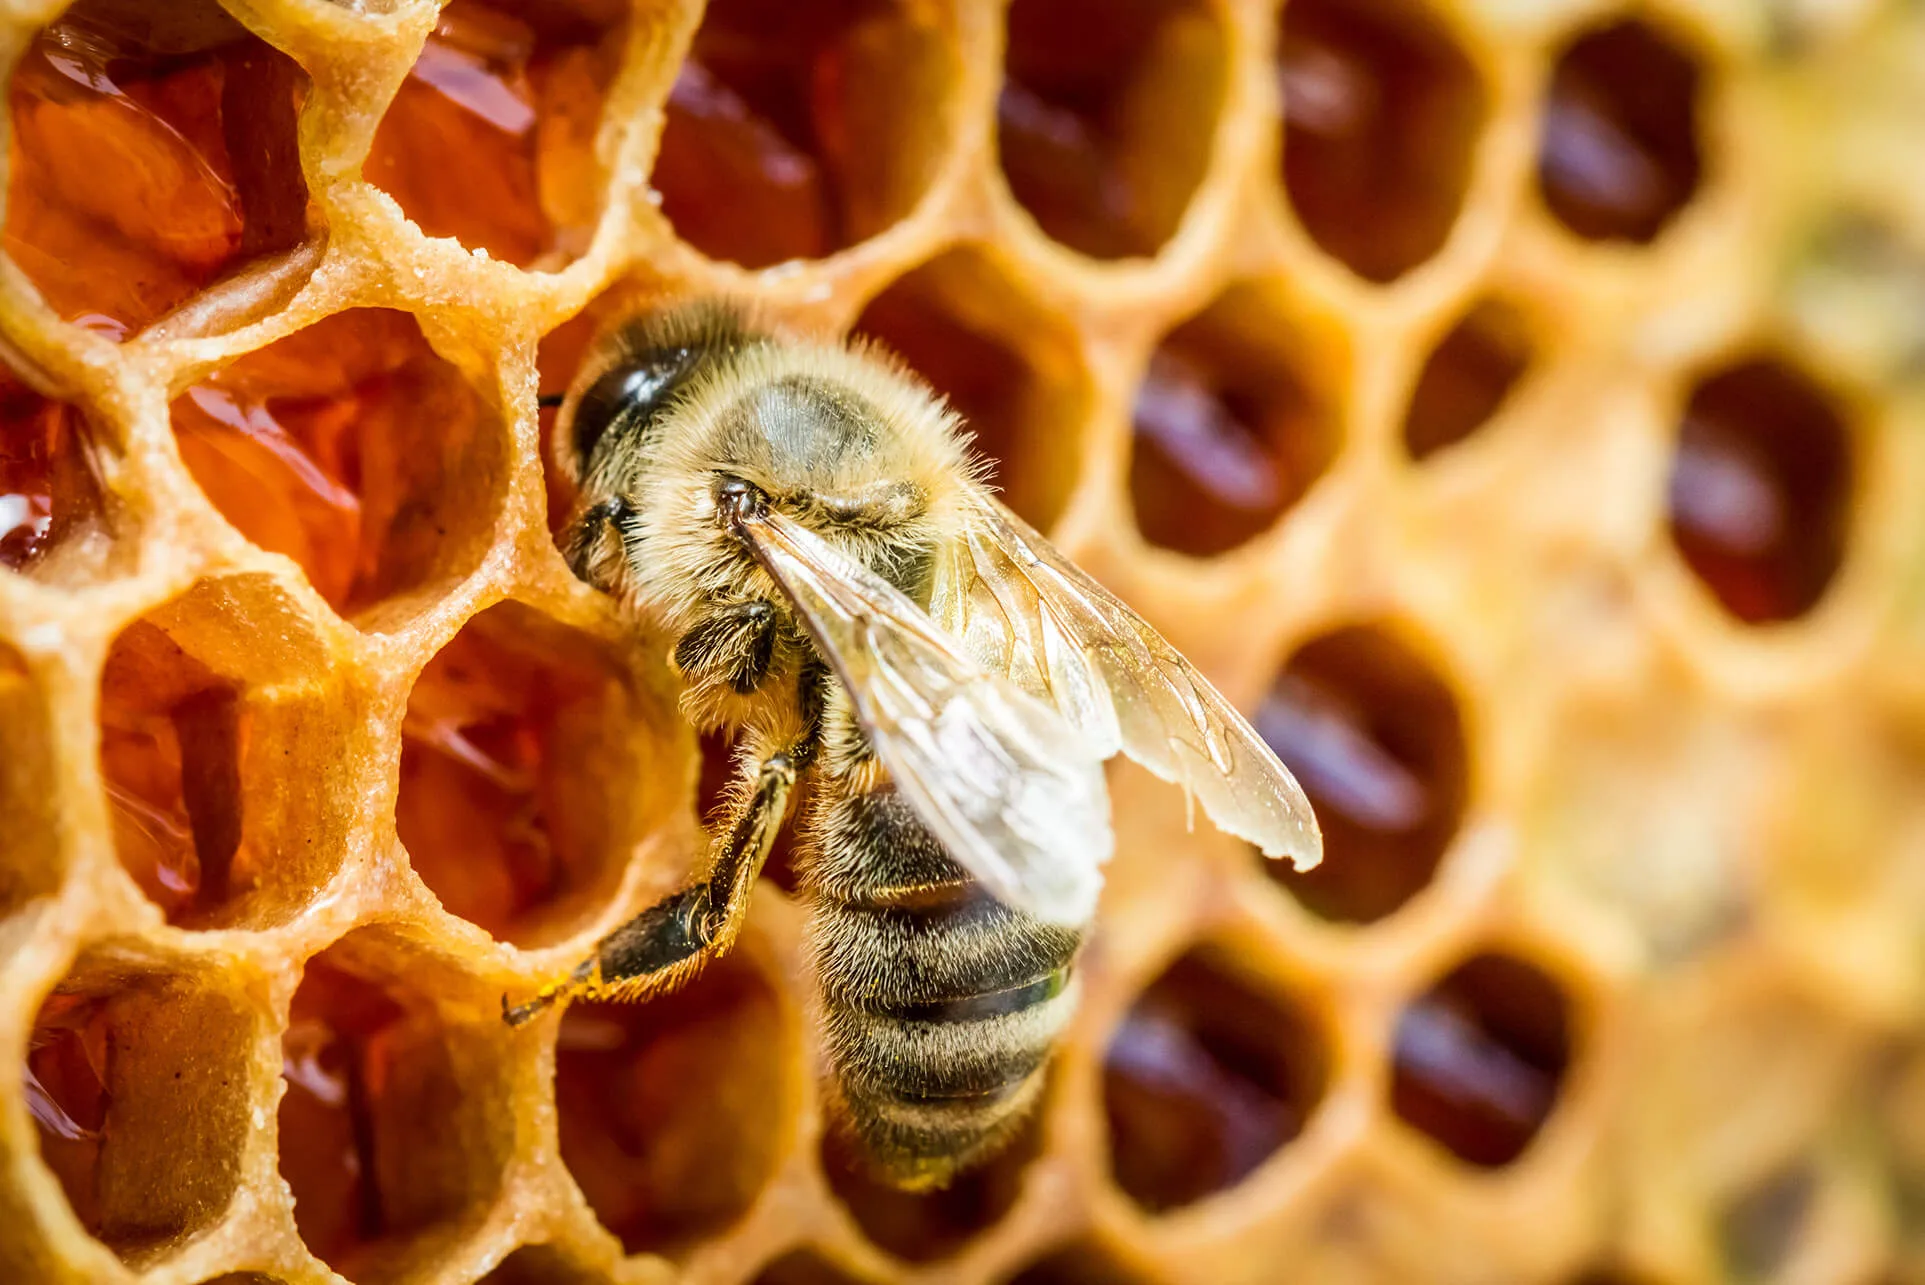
[923,1226]
[491,138]
[136,1087]
[1210,1073]
[357,451]
[1373,734]
[56,520]
[1009,369]
[1106,116]
[31,860]
[1761,488]
[795,129]
[1382,113]
[1082,1263]
[324,1111]
[1618,152]
[156,737]
[557,359]
[391,1122]
[1467,378]
[1612,1276]
[153,152]
[215,761]
[66,1093]
[1480,1058]
[1234,419]
[806,1267]
[671,1112]
[528,774]
[542,1265]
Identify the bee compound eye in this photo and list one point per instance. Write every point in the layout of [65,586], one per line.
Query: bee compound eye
[632,393]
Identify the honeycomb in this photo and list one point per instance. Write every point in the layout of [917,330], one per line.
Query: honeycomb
[1516,407]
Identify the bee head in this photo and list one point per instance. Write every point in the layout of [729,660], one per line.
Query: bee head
[633,376]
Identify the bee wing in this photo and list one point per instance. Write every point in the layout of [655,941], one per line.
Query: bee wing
[1009,788]
[1024,611]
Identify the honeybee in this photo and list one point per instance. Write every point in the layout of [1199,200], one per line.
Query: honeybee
[805,520]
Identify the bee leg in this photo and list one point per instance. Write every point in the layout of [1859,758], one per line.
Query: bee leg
[665,944]
[736,645]
[596,539]
[654,942]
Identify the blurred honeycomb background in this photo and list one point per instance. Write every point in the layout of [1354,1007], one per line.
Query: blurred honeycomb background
[1518,406]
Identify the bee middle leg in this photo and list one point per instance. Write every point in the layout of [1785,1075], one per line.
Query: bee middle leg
[665,944]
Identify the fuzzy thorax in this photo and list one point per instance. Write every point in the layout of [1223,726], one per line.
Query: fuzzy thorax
[843,440]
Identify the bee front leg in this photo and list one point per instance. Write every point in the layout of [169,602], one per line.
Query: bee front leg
[665,944]
[734,646]
[596,542]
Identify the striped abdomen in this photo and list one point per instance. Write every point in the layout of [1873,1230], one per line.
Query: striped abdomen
[940,1004]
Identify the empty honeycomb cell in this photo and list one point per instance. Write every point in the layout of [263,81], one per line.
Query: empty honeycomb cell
[55,521]
[217,758]
[152,152]
[1618,153]
[1211,1073]
[1081,1263]
[1382,113]
[1855,293]
[1234,419]
[355,450]
[798,129]
[30,859]
[394,1122]
[527,777]
[491,138]
[1760,1229]
[672,1112]
[1011,371]
[1761,488]
[805,1267]
[1373,734]
[923,1226]
[1106,117]
[137,1089]
[1467,377]
[1480,1058]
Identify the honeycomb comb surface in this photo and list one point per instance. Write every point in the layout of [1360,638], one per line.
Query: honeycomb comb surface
[1515,407]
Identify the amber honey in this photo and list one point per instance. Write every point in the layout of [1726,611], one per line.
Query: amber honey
[1513,408]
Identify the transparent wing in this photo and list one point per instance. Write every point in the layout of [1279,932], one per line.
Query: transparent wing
[1025,612]
[997,775]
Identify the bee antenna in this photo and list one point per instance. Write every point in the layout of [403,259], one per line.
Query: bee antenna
[548,401]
